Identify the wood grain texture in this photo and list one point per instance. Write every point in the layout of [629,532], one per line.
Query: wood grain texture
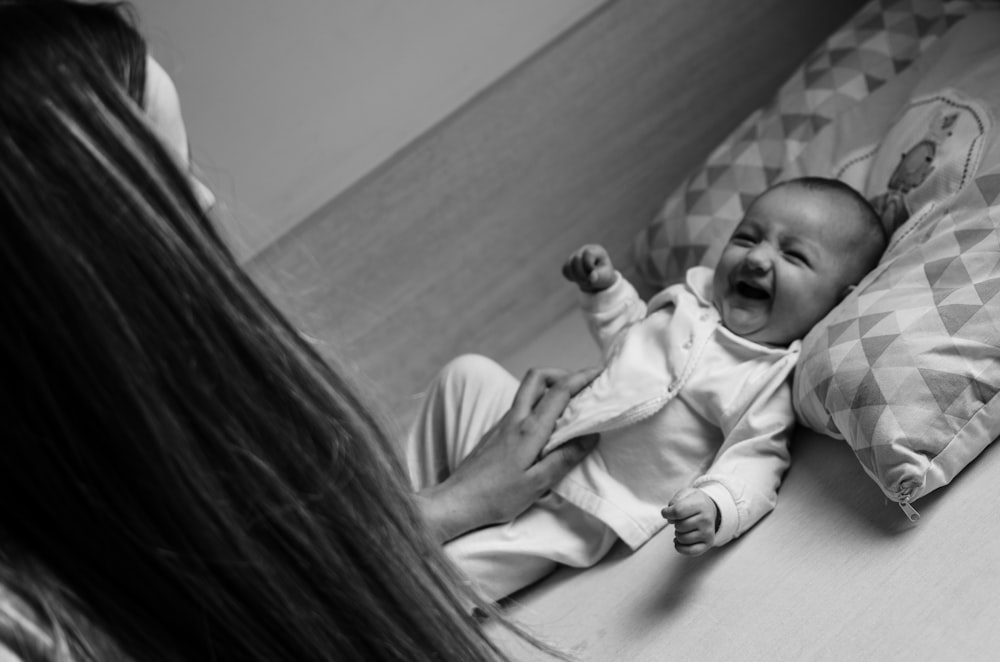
[455,244]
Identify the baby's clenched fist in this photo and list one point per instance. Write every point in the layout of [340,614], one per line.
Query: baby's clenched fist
[695,518]
[590,268]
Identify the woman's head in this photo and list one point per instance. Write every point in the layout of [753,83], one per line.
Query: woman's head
[162,107]
[181,470]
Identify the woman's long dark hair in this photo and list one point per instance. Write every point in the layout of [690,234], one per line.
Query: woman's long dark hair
[183,478]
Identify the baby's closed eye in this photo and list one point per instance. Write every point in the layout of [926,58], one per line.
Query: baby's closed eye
[797,256]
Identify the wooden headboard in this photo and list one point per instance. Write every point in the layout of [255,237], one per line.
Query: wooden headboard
[455,244]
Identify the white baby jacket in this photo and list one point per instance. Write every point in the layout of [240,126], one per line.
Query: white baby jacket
[681,401]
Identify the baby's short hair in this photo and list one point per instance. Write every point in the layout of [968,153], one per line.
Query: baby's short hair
[873,237]
[847,193]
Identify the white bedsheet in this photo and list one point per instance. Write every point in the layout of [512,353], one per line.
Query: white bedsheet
[836,572]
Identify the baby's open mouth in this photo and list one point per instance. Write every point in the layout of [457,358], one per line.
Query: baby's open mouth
[751,291]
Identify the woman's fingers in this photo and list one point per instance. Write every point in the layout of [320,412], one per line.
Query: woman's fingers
[503,475]
[532,388]
[549,387]
[538,403]
[557,396]
[556,464]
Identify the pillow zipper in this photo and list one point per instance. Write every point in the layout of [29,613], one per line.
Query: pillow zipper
[902,498]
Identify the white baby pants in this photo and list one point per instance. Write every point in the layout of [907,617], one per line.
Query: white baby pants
[469,395]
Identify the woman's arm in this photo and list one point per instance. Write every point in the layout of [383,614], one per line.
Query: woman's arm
[504,474]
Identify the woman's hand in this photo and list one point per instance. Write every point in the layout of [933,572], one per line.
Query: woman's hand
[504,474]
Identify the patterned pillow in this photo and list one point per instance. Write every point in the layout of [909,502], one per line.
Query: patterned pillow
[907,367]
[874,47]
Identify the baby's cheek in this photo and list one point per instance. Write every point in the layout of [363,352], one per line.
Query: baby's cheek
[798,318]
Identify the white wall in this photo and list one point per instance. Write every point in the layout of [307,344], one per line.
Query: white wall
[288,102]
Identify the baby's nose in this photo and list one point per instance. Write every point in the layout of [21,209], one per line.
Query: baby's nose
[759,259]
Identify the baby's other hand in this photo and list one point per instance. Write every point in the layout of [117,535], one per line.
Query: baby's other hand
[590,268]
[693,514]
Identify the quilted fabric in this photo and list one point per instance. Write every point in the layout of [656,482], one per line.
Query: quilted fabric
[882,40]
[907,367]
